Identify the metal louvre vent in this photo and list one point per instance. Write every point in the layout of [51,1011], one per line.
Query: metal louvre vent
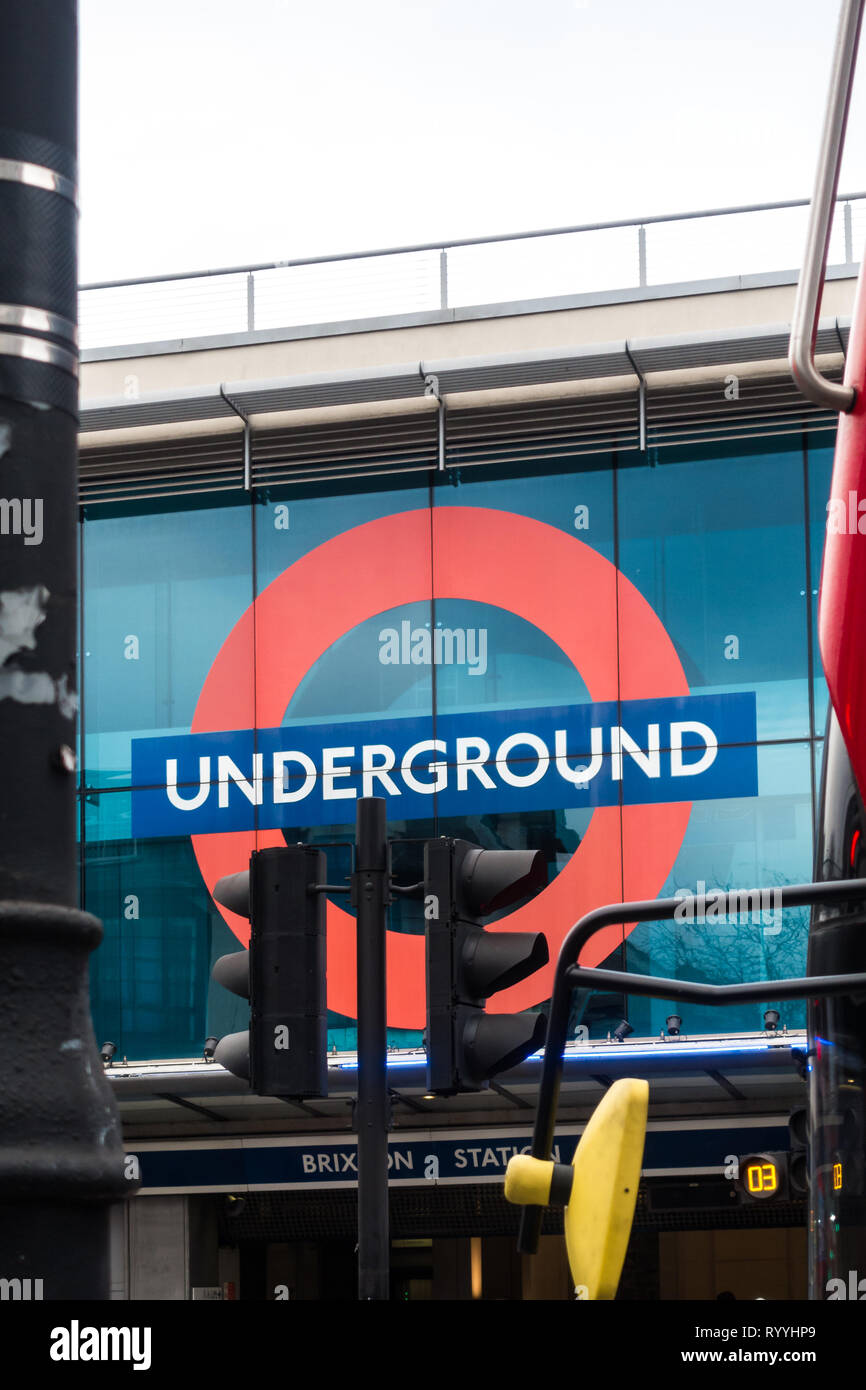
[396,444]
[716,350]
[538,368]
[527,433]
[346,388]
[480,1209]
[761,406]
[791,1215]
[541,432]
[756,1216]
[451,1210]
[161,468]
[176,407]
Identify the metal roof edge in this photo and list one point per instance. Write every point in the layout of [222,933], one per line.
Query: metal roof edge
[406,380]
[739,1051]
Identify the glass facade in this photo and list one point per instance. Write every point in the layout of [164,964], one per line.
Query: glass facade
[495,621]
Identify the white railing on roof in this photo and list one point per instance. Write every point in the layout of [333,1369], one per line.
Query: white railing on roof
[600,258]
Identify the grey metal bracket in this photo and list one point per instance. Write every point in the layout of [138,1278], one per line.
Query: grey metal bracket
[431,388]
[246,419]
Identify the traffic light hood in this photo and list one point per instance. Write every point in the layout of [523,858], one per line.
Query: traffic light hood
[233,892]
[493,878]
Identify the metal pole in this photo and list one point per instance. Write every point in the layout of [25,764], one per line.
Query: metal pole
[443,279]
[370,896]
[829,395]
[849,236]
[641,256]
[251,302]
[61,1153]
[567,977]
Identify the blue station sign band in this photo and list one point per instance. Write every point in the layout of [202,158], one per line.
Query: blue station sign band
[636,752]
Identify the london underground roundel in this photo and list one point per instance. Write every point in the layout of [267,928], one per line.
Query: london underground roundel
[543,575]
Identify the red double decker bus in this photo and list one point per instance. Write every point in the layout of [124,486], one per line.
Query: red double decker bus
[837,937]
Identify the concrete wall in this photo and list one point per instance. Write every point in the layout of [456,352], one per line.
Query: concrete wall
[163,1247]
[635,319]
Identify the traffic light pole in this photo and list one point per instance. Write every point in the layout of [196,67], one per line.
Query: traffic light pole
[61,1153]
[370,896]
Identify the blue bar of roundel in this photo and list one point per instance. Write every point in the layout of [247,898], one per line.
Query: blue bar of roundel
[733,773]
[149,756]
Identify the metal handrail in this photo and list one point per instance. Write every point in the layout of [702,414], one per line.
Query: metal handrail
[827,394]
[453,244]
[570,975]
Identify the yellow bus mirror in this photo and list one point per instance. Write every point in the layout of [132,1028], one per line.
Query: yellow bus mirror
[599,1190]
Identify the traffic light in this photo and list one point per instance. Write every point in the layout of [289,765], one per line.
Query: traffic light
[798,1158]
[763,1177]
[783,1175]
[466,964]
[599,1189]
[284,1051]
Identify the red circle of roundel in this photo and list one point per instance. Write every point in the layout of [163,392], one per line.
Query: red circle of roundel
[549,578]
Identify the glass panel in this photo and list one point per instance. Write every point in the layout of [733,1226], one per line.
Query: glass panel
[575,496]
[150,976]
[714,542]
[162,590]
[749,843]
[292,521]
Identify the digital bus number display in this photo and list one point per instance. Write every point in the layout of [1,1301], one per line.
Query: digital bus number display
[762,1177]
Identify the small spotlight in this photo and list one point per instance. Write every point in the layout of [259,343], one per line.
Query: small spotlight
[107,1051]
[622,1032]
[234,1204]
[673,1023]
[210,1047]
[771,1020]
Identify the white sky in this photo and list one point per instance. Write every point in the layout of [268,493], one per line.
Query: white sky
[217,133]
